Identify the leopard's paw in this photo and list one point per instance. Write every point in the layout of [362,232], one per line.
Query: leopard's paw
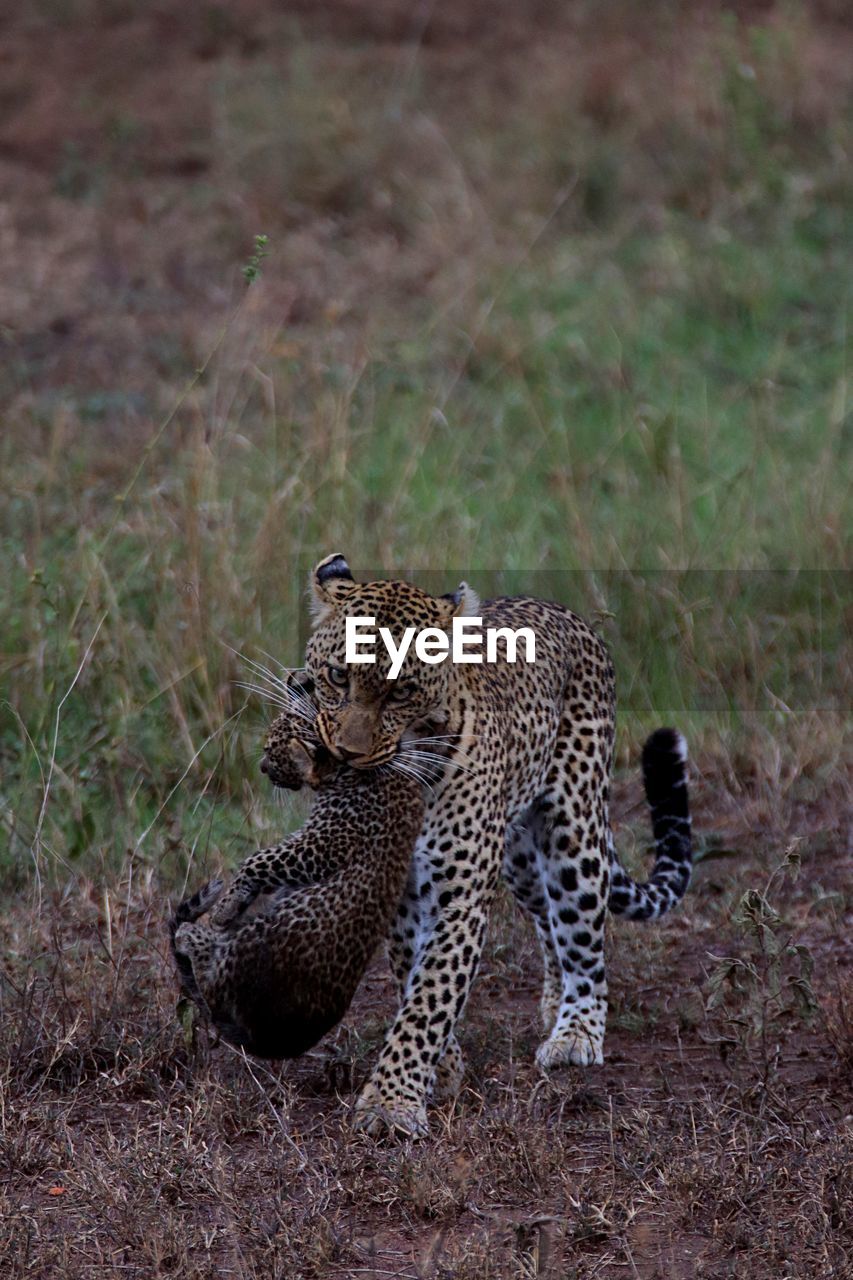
[391,1117]
[185,938]
[233,903]
[224,913]
[572,1044]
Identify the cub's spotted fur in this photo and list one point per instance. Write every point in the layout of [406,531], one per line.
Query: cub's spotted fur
[289,939]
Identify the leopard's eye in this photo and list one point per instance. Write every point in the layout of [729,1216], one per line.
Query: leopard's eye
[338,676]
[402,690]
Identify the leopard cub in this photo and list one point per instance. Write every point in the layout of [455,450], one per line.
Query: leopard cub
[277,962]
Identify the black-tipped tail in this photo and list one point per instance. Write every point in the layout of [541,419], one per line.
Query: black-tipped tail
[665,778]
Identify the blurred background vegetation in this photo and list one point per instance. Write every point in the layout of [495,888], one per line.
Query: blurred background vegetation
[550,287]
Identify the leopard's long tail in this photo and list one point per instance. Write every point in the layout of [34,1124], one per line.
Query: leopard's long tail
[665,778]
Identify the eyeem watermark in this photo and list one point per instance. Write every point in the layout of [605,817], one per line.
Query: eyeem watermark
[465,644]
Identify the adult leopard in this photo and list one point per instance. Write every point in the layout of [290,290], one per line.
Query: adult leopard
[525,791]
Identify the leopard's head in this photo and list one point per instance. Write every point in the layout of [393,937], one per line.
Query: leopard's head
[294,757]
[363,716]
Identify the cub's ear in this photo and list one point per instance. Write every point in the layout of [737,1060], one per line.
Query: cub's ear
[302,760]
[300,682]
[331,583]
[461,603]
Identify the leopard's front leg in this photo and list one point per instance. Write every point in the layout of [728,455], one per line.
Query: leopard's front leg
[402,942]
[453,902]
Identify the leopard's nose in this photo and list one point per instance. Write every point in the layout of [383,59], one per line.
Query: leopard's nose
[265,764]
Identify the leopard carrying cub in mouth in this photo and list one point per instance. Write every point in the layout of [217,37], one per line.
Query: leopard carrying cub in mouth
[287,942]
[521,758]
[524,793]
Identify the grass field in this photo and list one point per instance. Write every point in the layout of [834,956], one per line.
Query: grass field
[555,301]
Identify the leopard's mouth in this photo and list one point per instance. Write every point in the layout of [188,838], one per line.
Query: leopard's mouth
[371,761]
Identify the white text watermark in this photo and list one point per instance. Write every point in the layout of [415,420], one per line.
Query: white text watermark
[432,645]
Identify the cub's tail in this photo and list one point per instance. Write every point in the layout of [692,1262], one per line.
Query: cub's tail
[665,778]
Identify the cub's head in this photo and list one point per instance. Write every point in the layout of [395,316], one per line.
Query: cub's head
[294,757]
[363,715]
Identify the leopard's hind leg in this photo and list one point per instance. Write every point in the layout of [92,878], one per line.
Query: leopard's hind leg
[522,873]
[570,826]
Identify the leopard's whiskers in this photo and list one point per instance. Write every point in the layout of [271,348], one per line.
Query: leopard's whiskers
[279,664]
[277,685]
[293,689]
[410,771]
[288,671]
[285,697]
[266,694]
[447,761]
[262,672]
[277,701]
[451,741]
[444,761]
[444,737]
[306,707]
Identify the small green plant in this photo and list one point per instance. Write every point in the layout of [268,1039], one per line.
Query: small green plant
[769,986]
[252,269]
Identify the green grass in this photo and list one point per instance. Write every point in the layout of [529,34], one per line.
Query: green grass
[651,386]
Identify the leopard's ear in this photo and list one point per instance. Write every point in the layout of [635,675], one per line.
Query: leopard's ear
[331,583]
[461,603]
